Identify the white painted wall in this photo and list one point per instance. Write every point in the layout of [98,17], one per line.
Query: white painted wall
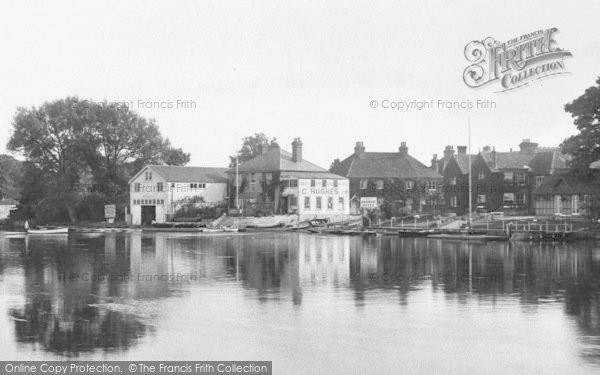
[341,191]
[173,191]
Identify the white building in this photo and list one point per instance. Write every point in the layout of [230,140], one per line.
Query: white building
[157,190]
[6,206]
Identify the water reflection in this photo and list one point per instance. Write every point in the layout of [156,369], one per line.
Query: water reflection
[108,292]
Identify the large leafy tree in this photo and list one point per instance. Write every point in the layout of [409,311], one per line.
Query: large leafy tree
[11,175]
[47,136]
[585,146]
[72,143]
[116,142]
[251,147]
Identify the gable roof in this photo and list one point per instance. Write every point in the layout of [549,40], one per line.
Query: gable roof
[173,173]
[566,184]
[543,161]
[385,165]
[278,160]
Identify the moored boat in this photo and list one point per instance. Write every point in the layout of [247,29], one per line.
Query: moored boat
[57,230]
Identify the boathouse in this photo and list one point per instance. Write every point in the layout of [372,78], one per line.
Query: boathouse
[158,191]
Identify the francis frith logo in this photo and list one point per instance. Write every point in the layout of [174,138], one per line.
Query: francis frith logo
[514,63]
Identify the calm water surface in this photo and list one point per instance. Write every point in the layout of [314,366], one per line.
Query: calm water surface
[311,304]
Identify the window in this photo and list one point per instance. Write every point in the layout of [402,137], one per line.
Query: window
[269,177]
[252,178]
[431,184]
[539,180]
[452,181]
[409,184]
[509,198]
[330,203]
[481,176]
[341,203]
[363,184]
[293,201]
[481,198]
[159,186]
[521,198]
[318,203]
[379,184]
[575,204]
[148,176]
[293,183]
[312,183]
[202,186]
[324,183]
[307,203]
[453,201]
[137,187]
[520,178]
[193,186]
[508,176]
[335,183]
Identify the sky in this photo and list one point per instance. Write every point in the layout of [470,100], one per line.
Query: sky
[305,69]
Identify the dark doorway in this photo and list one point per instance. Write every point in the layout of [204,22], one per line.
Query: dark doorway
[148,214]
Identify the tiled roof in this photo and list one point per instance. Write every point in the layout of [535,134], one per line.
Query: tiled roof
[565,184]
[278,160]
[542,162]
[385,165]
[463,162]
[190,174]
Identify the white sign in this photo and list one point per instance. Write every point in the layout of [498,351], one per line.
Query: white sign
[110,211]
[368,202]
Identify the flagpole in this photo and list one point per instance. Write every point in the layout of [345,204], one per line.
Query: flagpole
[470,179]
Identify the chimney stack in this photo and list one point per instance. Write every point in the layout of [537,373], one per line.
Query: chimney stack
[359,149]
[462,150]
[493,158]
[486,149]
[527,146]
[263,148]
[434,162]
[403,149]
[448,152]
[297,150]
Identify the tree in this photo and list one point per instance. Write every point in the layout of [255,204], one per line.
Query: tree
[11,175]
[585,146]
[116,142]
[335,165]
[72,143]
[47,137]
[251,147]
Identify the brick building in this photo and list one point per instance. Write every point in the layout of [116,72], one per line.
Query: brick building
[402,184]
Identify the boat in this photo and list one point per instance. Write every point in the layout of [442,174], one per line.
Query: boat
[47,230]
[212,230]
[230,229]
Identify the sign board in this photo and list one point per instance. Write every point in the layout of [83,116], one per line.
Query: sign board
[368,202]
[110,211]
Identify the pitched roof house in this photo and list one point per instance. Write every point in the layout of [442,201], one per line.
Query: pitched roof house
[156,191]
[391,177]
[281,182]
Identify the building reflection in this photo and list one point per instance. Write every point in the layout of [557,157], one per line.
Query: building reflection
[95,292]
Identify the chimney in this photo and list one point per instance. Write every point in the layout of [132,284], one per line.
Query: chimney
[263,148]
[462,150]
[434,162]
[297,150]
[493,158]
[403,149]
[487,148]
[527,146]
[359,149]
[448,152]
